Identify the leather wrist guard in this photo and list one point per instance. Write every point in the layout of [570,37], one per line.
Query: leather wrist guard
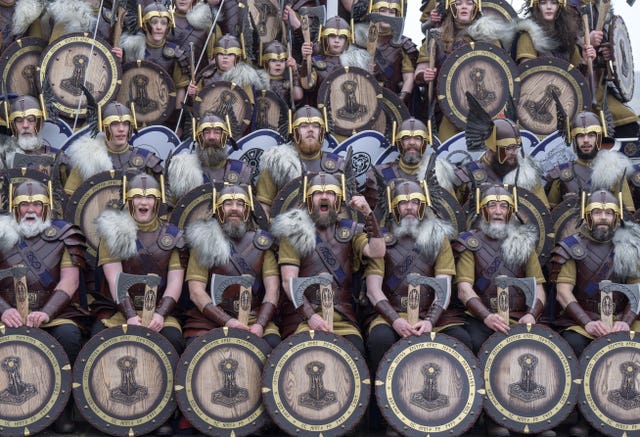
[4,306]
[58,300]
[384,308]
[435,311]
[306,310]
[477,308]
[126,308]
[165,306]
[215,314]
[267,310]
[371,226]
[536,311]
[629,317]
[575,311]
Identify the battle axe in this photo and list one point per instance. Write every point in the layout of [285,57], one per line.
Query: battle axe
[441,287]
[632,291]
[125,281]
[396,24]
[526,285]
[19,275]
[297,287]
[219,283]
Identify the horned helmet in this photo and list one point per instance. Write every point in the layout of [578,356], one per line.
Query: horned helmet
[496,193]
[585,123]
[24,107]
[403,190]
[320,183]
[143,185]
[31,191]
[601,199]
[233,192]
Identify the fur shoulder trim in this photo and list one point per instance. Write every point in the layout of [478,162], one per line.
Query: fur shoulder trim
[519,244]
[119,231]
[208,242]
[184,173]
[608,168]
[244,75]
[26,12]
[431,234]
[298,228]
[626,256]
[282,162]
[489,29]
[75,15]
[541,41]
[445,172]
[133,46]
[361,32]
[200,17]
[89,156]
[9,235]
[356,57]
[529,174]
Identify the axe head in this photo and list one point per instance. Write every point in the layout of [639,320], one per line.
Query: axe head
[632,291]
[526,285]
[125,281]
[219,283]
[13,272]
[320,12]
[441,287]
[395,23]
[297,286]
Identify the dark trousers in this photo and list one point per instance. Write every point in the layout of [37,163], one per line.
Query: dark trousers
[69,337]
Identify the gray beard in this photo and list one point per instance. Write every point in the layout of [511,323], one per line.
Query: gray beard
[29,230]
[235,231]
[211,157]
[29,144]
[496,231]
[326,220]
[408,227]
[411,159]
[602,234]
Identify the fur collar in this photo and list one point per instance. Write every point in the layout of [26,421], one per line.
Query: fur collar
[298,228]
[519,244]
[528,172]
[185,173]
[200,16]
[626,256]
[89,156]
[431,233]
[445,172]
[356,57]
[608,168]
[134,46]
[244,75]
[208,242]
[9,235]
[489,29]
[282,163]
[541,41]
[26,12]
[75,15]
[119,231]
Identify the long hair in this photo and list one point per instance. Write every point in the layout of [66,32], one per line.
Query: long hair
[564,29]
[452,32]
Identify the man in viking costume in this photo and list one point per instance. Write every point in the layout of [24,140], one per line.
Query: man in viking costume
[314,240]
[231,243]
[605,248]
[109,150]
[412,142]
[284,163]
[19,18]
[500,246]
[417,237]
[209,162]
[594,168]
[54,252]
[26,121]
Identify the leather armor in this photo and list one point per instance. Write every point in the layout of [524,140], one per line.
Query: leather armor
[234,171]
[573,177]
[138,159]
[164,56]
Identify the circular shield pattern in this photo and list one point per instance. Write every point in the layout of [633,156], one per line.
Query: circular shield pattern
[225,98]
[197,204]
[150,89]
[483,69]
[218,382]
[392,109]
[35,380]
[539,79]
[610,399]
[429,385]
[316,383]
[78,59]
[253,145]
[18,65]
[499,8]
[529,377]
[123,380]
[623,73]
[270,111]
[352,98]
[265,15]
[566,217]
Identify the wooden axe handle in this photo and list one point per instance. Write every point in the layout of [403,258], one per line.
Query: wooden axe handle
[413,304]
[244,305]
[149,304]
[326,299]
[22,296]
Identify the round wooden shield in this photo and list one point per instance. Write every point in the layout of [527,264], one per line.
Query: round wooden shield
[530,378]
[123,380]
[392,109]
[316,383]
[253,145]
[367,149]
[225,98]
[16,176]
[151,90]
[566,217]
[76,59]
[483,69]
[623,74]
[265,15]
[218,382]
[92,197]
[499,8]
[269,111]
[35,380]
[429,385]
[352,98]
[610,398]
[539,79]
[19,66]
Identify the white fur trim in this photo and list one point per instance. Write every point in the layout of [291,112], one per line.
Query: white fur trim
[26,12]
[608,169]
[356,57]
[519,244]
[185,173]
[89,156]
[282,163]
[9,235]
[244,75]
[626,257]
[298,228]
[200,16]
[208,242]
[490,28]
[75,15]
[541,41]
[431,233]
[445,172]
[528,171]
[119,231]
[134,46]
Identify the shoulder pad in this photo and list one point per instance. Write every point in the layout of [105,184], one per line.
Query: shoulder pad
[566,171]
[389,239]
[142,158]
[171,237]
[57,229]
[387,171]
[262,240]
[345,230]
[331,163]
[573,247]
[634,177]
[319,63]
[409,46]
[477,171]
[469,240]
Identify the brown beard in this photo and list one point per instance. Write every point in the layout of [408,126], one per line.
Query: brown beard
[501,169]
[211,156]
[235,231]
[309,149]
[602,234]
[324,221]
